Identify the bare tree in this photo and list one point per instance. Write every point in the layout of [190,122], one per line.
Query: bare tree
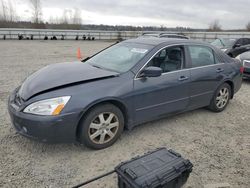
[248,26]
[215,26]
[66,16]
[77,19]
[162,27]
[36,11]
[54,20]
[11,11]
[3,15]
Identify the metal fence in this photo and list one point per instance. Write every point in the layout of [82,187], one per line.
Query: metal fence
[39,34]
[210,36]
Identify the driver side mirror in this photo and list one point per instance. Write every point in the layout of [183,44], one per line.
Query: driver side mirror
[151,72]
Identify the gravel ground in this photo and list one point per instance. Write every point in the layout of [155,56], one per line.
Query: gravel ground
[218,144]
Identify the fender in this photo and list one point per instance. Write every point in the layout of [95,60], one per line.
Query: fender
[114,100]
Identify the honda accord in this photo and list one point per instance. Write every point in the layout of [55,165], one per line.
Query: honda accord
[127,84]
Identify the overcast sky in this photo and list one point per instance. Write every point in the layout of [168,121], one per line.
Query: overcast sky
[232,14]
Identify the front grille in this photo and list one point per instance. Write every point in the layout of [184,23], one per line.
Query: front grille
[246,63]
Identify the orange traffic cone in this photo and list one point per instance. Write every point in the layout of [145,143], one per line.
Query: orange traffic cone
[79,56]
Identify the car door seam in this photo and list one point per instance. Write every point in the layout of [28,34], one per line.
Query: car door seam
[160,104]
[208,92]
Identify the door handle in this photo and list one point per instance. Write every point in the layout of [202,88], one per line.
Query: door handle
[219,70]
[183,78]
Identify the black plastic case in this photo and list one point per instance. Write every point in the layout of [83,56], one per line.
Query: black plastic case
[158,169]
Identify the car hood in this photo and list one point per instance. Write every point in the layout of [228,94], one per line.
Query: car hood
[245,56]
[61,74]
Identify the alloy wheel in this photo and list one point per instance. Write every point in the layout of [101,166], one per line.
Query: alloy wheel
[222,98]
[103,128]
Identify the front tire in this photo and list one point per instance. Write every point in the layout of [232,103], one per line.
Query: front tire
[101,127]
[221,98]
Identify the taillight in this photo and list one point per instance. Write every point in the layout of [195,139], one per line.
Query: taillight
[241,70]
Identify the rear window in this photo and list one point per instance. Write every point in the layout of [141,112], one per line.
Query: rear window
[222,43]
[201,56]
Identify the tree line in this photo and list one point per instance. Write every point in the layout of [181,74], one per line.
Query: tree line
[216,26]
[71,19]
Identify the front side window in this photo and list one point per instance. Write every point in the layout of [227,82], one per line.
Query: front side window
[201,56]
[120,57]
[169,59]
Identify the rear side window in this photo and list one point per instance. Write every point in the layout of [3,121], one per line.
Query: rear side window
[201,56]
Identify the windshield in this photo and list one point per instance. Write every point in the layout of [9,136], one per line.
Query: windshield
[120,57]
[221,43]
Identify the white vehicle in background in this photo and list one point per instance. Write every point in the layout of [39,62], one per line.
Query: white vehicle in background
[245,59]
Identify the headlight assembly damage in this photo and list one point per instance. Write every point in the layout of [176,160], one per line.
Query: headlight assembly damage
[47,107]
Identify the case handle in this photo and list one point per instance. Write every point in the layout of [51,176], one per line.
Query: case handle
[130,173]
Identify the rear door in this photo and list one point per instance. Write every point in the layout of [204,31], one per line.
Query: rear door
[206,75]
[167,93]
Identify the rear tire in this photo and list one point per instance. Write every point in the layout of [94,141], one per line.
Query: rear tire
[221,98]
[101,126]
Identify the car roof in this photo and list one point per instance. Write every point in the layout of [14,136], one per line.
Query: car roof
[157,41]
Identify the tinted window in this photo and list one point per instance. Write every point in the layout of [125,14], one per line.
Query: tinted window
[246,41]
[168,59]
[240,42]
[201,56]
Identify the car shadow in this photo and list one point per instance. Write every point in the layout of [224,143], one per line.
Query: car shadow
[246,81]
[167,120]
[59,149]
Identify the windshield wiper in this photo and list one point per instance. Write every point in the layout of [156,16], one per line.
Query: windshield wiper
[96,66]
[99,67]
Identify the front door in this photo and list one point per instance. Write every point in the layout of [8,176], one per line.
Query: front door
[168,93]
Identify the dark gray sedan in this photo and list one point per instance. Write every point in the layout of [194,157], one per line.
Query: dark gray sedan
[125,85]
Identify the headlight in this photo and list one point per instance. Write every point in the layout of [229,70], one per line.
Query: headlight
[224,50]
[47,107]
